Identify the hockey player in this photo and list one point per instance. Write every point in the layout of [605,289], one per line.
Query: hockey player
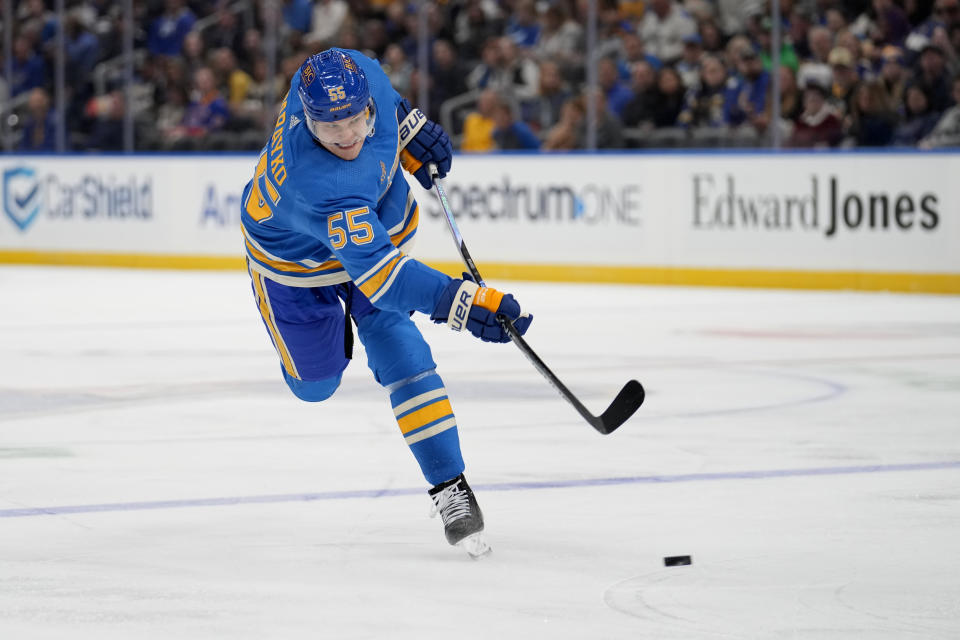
[327,219]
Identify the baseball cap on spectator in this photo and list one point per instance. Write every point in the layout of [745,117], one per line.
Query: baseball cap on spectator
[748,53]
[693,38]
[840,57]
[933,47]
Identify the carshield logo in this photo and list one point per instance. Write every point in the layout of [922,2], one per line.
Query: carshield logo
[22,196]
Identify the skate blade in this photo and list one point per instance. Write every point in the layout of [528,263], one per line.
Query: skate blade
[476,546]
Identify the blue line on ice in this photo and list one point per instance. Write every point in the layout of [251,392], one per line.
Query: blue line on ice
[505,486]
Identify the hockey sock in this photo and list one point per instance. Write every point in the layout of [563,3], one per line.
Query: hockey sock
[428,425]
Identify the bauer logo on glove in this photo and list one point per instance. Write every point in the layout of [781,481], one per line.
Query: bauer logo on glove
[464,303]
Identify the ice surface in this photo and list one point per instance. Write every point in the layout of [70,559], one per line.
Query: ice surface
[157,479]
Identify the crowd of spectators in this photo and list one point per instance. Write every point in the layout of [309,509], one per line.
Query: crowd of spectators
[503,74]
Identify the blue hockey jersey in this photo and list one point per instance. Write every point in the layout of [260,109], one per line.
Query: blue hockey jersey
[310,219]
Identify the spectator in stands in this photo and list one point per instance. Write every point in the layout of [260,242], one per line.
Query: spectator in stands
[29,69]
[820,40]
[708,105]
[616,91]
[476,24]
[37,19]
[40,125]
[298,14]
[232,81]
[711,37]
[169,117]
[800,23]
[641,111]
[487,73]
[946,133]
[791,98]
[252,48]
[731,15]
[608,126]
[479,124]
[106,111]
[207,112]
[194,54]
[946,13]
[665,23]
[819,126]
[608,43]
[634,53]
[888,23]
[670,98]
[567,133]
[858,51]
[845,79]
[919,119]
[561,39]
[689,64]
[835,20]
[788,56]
[503,69]
[166,33]
[520,74]
[932,77]
[82,47]
[329,17]
[256,108]
[816,68]
[226,32]
[750,96]
[448,76]
[872,118]
[893,73]
[400,70]
[511,133]
[543,111]
[523,25]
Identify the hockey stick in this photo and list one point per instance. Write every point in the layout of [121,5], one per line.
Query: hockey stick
[623,406]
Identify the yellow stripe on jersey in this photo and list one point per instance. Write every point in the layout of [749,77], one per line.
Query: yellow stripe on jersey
[408,230]
[389,283]
[371,285]
[426,415]
[266,311]
[283,265]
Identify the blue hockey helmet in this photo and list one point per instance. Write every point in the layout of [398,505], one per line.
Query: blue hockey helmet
[332,87]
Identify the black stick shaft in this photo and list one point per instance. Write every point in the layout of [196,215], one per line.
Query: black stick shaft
[627,401]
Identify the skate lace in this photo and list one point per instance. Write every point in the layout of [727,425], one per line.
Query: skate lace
[452,504]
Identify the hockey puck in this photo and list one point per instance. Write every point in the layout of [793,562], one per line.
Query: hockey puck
[677,561]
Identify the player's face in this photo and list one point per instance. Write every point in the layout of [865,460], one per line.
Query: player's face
[343,138]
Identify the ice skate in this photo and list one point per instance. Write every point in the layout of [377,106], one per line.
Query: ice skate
[461,515]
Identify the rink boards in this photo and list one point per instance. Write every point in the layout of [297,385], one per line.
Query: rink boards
[800,220]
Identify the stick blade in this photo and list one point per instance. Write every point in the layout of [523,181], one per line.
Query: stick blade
[623,406]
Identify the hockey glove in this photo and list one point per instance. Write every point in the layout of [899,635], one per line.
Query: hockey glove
[422,142]
[465,304]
